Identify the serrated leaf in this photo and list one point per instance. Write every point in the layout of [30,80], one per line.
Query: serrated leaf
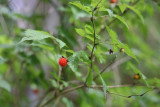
[5,85]
[30,34]
[136,11]
[103,82]
[81,32]
[113,35]
[127,50]
[110,12]
[104,86]
[116,43]
[37,35]
[82,7]
[89,78]
[60,42]
[54,83]
[73,63]
[75,59]
[122,8]
[88,29]
[2,60]
[89,37]
[70,51]
[137,71]
[121,19]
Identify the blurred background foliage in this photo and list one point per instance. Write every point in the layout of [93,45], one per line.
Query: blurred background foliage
[30,67]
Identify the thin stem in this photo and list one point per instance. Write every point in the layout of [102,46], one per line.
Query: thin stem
[44,96]
[130,95]
[94,34]
[104,69]
[116,86]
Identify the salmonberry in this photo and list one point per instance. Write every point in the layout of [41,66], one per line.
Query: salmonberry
[137,76]
[36,91]
[113,1]
[63,61]
[122,50]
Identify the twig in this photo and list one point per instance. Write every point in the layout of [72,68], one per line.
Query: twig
[104,69]
[130,95]
[94,34]
[44,96]
[57,101]
[59,75]
[116,86]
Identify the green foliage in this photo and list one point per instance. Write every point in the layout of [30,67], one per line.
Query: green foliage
[117,44]
[103,82]
[134,10]
[5,85]
[121,19]
[75,59]
[2,60]
[29,58]
[89,78]
[80,32]
[79,5]
[30,34]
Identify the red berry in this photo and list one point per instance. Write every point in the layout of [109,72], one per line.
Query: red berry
[113,1]
[36,91]
[63,61]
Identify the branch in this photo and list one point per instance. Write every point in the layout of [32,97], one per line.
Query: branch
[116,86]
[94,34]
[130,95]
[104,69]
[44,96]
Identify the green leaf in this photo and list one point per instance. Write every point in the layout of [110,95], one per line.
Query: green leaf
[5,85]
[137,71]
[122,8]
[89,78]
[75,59]
[89,29]
[117,44]
[61,43]
[70,51]
[54,83]
[81,32]
[34,35]
[67,102]
[73,64]
[100,3]
[121,19]
[113,35]
[104,86]
[110,12]
[82,7]
[2,60]
[127,50]
[103,82]
[136,11]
